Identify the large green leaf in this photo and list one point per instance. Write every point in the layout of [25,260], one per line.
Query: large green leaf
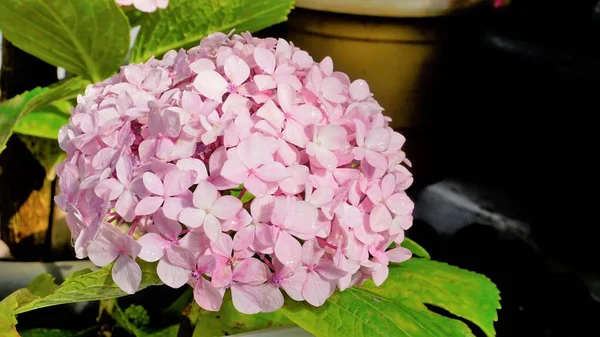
[62,91]
[87,38]
[10,112]
[397,308]
[185,22]
[229,321]
[45,122]
[84,285]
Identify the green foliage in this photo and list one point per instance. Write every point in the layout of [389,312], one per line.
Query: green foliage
[91,332]
[61,91]
[86,285]
[185,22]
[397,308]
[87,38]
[137,315]
[45,122]
[10,113]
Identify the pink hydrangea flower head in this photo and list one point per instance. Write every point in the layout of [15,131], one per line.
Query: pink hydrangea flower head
[240,165]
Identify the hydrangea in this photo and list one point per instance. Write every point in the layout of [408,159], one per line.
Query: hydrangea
[147,6]
[240,164]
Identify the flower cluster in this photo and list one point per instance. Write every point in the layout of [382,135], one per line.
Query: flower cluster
[147,6]
[240,164]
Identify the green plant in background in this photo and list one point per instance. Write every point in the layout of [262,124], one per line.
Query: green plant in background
[90,40]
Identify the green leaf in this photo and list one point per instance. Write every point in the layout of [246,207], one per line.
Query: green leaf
[87,38]
[7,317]
[40,332]
[85,286]
[10,112]
[63,91]
[415,248]
[229,321]
[246,197]
[185,22]
[397,308]
[46,121]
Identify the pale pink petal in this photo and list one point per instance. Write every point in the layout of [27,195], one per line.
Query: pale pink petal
[263,239]
[296,183]
[243,238]
[329,271]
[178,181]
[302,59]
[311,253]
[153,247]
[316,290]
[264,82]
[380,274]
[398,254]
[264,59]
[192,217]
[221,276]
[307,114]
[256,186]
[295,133]
[124,170]
[301,219]
[126,205]
[226,207]
[102,252]
[255,150]
[212,227]
[375,194]
[400,203]
[321,196]
[222,245]
[270,112]
[211,85]
[332,136]
[324,157]
[359,90]
[127,274]
[288,250]
[380,219]
[181,257]
[171,123]
[272,172]
[236,70]
[272,297]
[250,271]
[153,183]
[148,205]
[286,96]
[378,139]
[205,195]
[207,296]
[172,275]
[376,159]
[234,169]
[202,65]
[246,299]
[173,206]
[326,66]
[103,158]
[112,186]
[292,284]
[388,184]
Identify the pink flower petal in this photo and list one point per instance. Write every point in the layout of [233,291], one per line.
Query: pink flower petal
[255,150]
[205,195]
[172,275]
[332,136]
[222,245]
[272,172]
[102,252]
[148,205]
[236,70]
[234,169]
[316,290]
[173,206]
[247,299]
[153,183]
[359,90]
[243,238]
[212,227]
[292,284]
[211,85]
[272,297]
[329,271]
[302,59]
[380,219]
[296,183]
[256,186]
[264,59]
[264,82]
[112,186]
[398,254]
[400,203]
[286,96]
[178,181]
[207,296]
[288,250]
[202,65]
[192,217]
[126,205]
[250,271]
[127,274]
[226,207]
[271,113]
[124,170]
[153,247]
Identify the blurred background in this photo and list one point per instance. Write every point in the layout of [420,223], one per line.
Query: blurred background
[496,100]
[497,105]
